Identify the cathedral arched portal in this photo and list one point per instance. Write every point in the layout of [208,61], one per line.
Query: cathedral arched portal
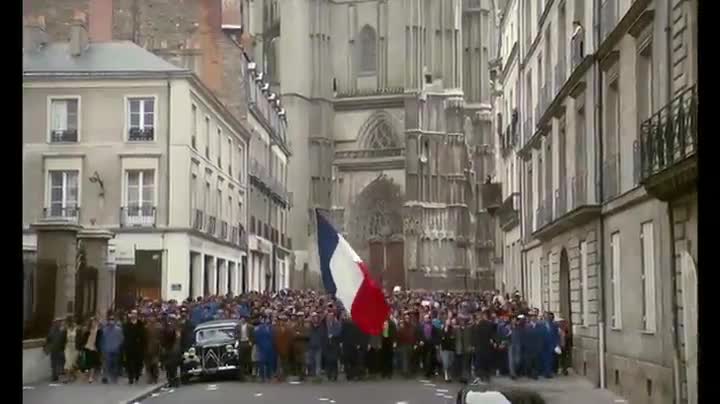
[375,230]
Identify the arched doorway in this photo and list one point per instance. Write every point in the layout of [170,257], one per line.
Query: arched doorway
[375,231]
[564,286]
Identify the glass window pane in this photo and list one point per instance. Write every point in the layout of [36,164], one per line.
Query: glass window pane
[72,187]
[134,106]
[133,195]
[148,177]
[56,194]
[149,105]
[56,178]
[133,178]
[134,120]
[59,114]
[148,195]
[148,119]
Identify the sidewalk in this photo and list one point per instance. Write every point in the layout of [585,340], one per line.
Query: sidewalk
[564,390]
[81,392]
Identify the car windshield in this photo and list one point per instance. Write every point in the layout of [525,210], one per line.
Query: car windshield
[214,334]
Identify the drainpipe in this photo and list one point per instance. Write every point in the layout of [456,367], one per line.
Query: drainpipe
[163,255]
[673,269]
[598,124]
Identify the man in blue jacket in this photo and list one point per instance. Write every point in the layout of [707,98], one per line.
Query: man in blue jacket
[551,340]
[532,346]
[111,343]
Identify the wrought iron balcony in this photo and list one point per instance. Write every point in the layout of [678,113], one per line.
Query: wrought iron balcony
[211,225]
[137,216]
[563,217]
[668,147]
[223,230]
[611,176]
[68,213]
[64,136]
[141,134]
[198,219]
[509,212]
[491,196]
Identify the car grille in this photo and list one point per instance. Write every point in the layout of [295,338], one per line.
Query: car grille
[212,357]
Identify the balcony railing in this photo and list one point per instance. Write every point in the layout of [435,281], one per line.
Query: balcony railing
[260,173]
[69,213]
[578,190]
[670,135]
[141,134]
[64,136]
[370,93]
[611,180]
[211,224]
[608,18]
[198,219]
[223,230]
[137,216]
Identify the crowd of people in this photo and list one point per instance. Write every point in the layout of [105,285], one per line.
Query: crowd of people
[456,336]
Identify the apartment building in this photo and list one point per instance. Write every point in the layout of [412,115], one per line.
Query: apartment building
[270,202]
[138,160]
[507,122]
[607,178]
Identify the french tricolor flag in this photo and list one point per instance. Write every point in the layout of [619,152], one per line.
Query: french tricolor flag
[345,275]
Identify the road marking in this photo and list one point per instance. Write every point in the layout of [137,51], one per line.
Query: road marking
[295,382]
[421,381]
[258,394]
[323,399]
[28,387]
[155,395]
[171,391]
[442,390]
[332,401]
[402,402]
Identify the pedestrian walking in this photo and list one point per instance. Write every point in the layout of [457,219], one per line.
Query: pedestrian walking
[111,345]
[55,347]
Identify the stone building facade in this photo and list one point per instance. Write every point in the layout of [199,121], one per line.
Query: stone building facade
[606,98]
[210,39]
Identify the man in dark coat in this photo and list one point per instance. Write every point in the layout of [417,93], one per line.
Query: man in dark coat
[532,340]
[171,340]
[245,344]
[485,335]
[316,340]
[428,339]
[134,346]
[551,341]
[331,349]
[387,351]
[354,343]
[55,347]
[463,350]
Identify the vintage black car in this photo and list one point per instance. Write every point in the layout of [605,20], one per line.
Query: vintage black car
[214,351]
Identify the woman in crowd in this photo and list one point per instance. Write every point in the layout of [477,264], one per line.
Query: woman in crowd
[71,349]
[89,341]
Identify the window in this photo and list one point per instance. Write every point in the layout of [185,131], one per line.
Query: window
[219,147]
[230,156]
[218,208]
[230,215]
[63,194]
[647,255]
[140,193]
[193,193]
[64,120]
[585,298]
[206,198]
[644,82]
[616,310]
[207,138]
[368,50]
[241,163]
[142,119]
[193,125]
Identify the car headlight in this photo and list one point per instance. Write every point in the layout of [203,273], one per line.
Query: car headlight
[186,355]
[191,351]
[229,348]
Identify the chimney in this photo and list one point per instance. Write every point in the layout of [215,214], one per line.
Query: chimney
[78,34]
[34,35]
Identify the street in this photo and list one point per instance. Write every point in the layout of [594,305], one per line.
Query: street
[565,390]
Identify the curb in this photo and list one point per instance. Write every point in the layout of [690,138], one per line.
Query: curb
[145,394]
